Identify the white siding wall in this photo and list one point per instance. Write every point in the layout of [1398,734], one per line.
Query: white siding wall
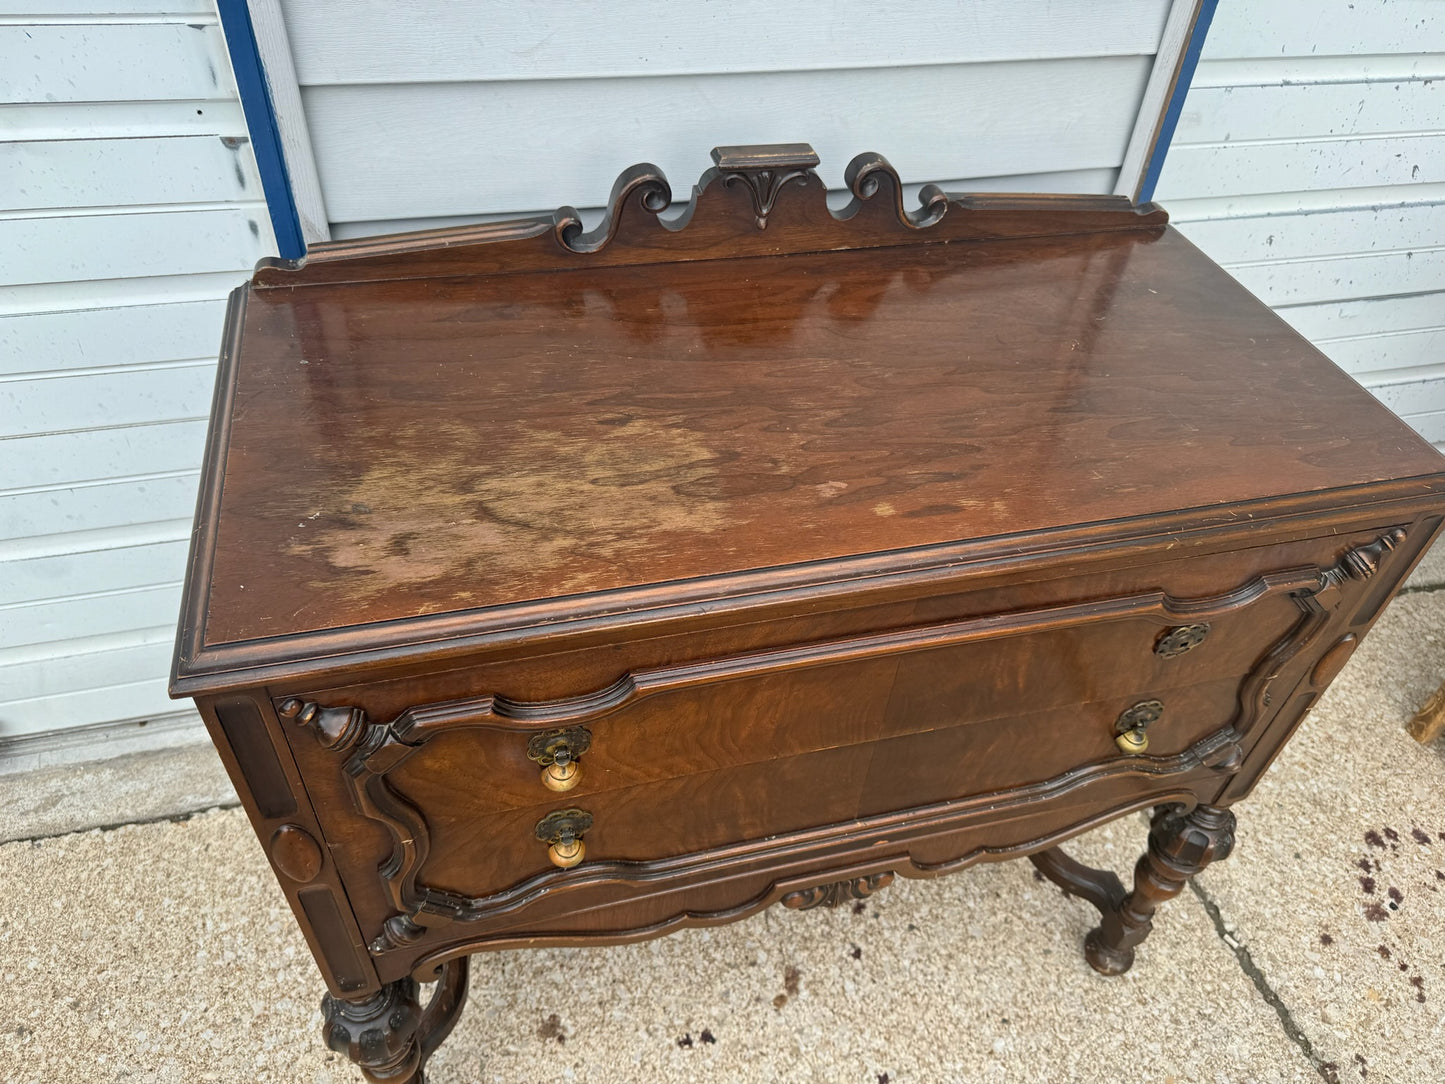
[129,206]
[425,112]
[1310,161]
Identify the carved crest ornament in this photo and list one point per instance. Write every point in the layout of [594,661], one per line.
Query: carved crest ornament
[754,201]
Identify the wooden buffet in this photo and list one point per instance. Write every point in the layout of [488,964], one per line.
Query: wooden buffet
[554,586]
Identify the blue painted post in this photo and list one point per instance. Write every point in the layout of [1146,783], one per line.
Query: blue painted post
[1176,100]
[261,122]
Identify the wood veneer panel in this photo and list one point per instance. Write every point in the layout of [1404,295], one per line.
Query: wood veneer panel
[409,448]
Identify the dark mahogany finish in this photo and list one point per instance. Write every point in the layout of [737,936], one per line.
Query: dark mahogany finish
[566,587]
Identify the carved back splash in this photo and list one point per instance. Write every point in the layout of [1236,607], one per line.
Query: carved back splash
[755,201]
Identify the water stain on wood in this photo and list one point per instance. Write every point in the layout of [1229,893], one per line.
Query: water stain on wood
[528,504]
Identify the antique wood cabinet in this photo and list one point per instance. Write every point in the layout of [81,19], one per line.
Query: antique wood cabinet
[554,586]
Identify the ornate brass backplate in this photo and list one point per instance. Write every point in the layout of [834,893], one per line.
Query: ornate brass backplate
[1181,638]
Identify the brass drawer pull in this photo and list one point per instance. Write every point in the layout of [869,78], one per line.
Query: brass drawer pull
[1131,726]
[1181,638]
[562,831]
[557,751]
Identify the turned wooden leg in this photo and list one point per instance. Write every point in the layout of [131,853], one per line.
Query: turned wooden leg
[1180,845]
[388,1034]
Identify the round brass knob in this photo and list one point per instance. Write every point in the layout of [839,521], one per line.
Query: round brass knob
[563,773]
[1130,727]
[562,831]
[1132,742]
[557,751]
[566,853]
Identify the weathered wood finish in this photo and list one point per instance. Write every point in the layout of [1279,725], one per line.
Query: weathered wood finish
[838,547]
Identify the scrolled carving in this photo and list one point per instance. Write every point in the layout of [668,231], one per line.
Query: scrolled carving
[838,892]
[780,185]
[335,728]
[867,175]
[643,185]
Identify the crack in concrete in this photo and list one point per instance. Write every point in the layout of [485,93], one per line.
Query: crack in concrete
[1423,589]
[1327,1070]
[160,818]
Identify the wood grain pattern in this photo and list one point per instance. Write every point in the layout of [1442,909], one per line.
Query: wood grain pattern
[849,548]
[649,724]
[831,396]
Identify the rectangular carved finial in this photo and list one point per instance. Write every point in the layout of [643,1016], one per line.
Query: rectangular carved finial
[765,156]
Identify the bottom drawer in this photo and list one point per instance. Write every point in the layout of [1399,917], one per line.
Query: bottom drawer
[463,855]
[611,901]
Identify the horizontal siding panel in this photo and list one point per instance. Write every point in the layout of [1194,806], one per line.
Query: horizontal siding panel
[70,458]
[110,62]
[412,41]
[1394,353]
[389,152]
[145,699]
[37,11]
[120,661]
[55,298]
[1231,114]
[1195,170]
[1411,396]
[96,507]
[32,547]
[111,246]
[1325,233]
[1091,181]
[48,578]
[1316,70]
[53,620]
[104,337]
[1430,426]
[1260,205]
[1300,282]
[1375,316]
[124,172]
[92,400]
[35,122]
[131,206]
[1308,28]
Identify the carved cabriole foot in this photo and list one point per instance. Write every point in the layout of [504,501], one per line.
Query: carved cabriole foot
[1180,845]
[388,1034]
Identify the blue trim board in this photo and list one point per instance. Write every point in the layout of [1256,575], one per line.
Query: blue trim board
[261,122]
[1187,64]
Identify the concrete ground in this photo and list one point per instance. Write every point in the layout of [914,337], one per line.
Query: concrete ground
[164,951]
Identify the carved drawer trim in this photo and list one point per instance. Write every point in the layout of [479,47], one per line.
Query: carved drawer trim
[376,748]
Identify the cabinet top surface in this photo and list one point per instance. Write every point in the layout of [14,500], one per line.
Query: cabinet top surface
[429,445]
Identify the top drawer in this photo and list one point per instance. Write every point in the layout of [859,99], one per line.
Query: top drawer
[680,720]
